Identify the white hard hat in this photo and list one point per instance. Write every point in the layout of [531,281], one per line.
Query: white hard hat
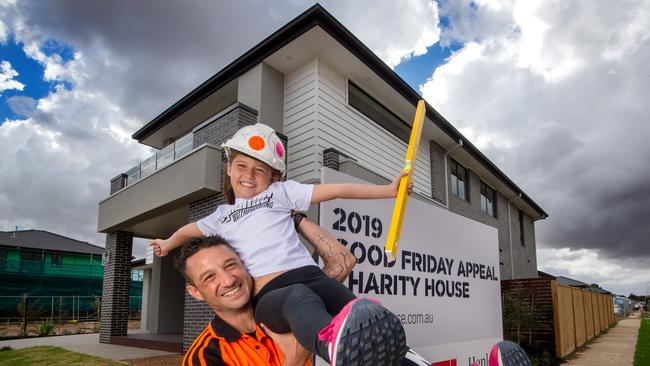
[258,141]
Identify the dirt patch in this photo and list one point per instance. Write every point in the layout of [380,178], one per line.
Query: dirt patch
[172,360]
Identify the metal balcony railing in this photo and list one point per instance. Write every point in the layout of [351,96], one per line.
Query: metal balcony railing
[160,159]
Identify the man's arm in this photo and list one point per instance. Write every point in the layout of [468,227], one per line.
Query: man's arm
[294,353]
[339,262]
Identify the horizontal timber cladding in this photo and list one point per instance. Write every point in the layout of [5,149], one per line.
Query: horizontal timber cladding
[300,123]
[317,117]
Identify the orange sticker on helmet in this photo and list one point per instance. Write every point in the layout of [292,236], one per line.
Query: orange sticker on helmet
[256,143]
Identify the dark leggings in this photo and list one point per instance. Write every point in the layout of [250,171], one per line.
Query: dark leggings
[302,300]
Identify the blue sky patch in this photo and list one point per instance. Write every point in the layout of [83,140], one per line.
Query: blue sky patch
[417,70]
[51,47]
[30,74]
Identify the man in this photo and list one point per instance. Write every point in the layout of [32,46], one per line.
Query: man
[218,277]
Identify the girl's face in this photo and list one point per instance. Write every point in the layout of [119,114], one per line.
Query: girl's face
[248,177]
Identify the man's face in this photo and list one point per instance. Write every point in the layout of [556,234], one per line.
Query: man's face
[219,278]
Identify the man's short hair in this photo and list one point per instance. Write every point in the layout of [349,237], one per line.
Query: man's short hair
[192,247]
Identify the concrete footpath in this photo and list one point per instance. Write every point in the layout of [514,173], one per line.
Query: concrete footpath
[87,344]
[616,347]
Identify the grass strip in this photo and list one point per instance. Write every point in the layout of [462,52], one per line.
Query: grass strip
[642,353]
[47,355]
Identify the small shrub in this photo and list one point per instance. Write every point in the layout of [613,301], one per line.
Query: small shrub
[45,329]
[5,348]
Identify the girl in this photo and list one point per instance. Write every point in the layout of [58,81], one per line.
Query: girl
[291,293]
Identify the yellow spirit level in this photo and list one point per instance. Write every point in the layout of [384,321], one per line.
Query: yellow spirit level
[392,243]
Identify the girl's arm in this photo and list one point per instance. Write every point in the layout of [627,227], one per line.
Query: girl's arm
[339,262]
[162,247]
[326,192]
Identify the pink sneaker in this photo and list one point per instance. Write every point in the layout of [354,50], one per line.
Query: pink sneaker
[507,353]
[364,333]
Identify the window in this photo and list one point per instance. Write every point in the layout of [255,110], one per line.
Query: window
[3,258]
[374,110]
[488,200]
[522,237]
[31,262]
[459,180]
[137,275]
[31,256]
[56,259]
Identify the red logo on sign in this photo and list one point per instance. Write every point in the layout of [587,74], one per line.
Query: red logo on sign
[451,362]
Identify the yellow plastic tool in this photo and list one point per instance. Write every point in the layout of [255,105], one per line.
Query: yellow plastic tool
[392,243]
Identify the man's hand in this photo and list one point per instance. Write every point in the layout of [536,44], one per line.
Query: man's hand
[159,247]
[294,353]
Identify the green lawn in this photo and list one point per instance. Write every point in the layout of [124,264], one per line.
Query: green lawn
[642,354]
[50,356]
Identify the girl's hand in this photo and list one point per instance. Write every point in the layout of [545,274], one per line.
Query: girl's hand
[159,247]
[394,186]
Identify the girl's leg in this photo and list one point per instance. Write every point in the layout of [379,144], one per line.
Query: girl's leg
[334,294]
[295,308]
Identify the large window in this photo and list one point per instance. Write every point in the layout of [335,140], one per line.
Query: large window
[488,200]
[459,180]
[374,110]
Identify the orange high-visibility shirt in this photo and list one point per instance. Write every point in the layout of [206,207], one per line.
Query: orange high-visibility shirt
[221,344]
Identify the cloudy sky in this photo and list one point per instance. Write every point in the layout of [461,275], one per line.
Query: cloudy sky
[556,93]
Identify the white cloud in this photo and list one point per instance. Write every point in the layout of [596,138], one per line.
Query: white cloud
[555,93]
[56,164]
[7,75]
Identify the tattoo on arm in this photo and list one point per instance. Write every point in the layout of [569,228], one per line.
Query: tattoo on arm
[338,260]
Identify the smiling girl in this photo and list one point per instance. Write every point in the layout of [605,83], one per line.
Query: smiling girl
[292,294]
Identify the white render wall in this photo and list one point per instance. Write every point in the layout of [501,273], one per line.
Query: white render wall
[317,117]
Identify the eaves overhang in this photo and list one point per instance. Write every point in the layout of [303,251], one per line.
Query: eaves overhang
[313,17]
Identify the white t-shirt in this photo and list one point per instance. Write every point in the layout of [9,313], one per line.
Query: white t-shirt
[261,229]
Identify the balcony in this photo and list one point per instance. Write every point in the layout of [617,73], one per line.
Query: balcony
[155,200]
[160,159]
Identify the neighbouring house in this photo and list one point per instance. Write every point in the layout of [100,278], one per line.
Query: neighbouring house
[58,275]
[336,104]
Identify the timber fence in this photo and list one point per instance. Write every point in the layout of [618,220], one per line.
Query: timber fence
[541,314]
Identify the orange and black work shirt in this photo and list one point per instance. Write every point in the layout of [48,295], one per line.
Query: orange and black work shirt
[222,345]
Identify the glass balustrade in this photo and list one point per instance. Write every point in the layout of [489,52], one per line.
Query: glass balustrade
[160,159]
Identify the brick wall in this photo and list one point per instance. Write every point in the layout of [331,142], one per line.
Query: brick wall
[224,125]
[118,183]
[116,286]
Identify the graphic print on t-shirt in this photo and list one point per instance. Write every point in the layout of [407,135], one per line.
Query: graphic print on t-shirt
[247,207]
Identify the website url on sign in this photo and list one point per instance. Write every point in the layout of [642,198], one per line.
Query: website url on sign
[416,318]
